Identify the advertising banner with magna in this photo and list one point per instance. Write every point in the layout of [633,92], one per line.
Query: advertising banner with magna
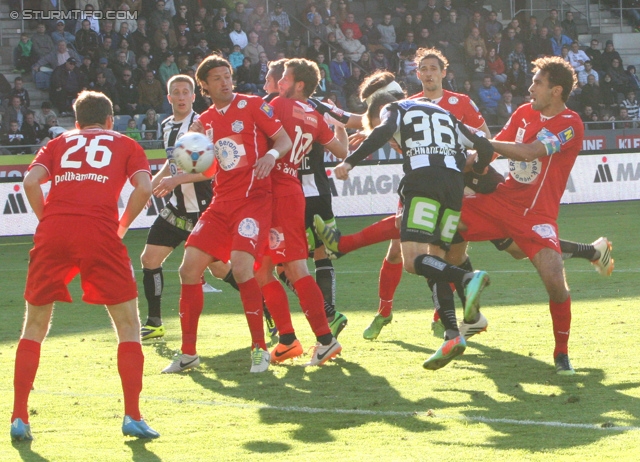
[372,190]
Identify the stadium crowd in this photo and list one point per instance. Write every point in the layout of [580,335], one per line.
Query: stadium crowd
[130,61]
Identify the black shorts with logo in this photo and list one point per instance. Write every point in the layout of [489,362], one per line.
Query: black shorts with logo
[165,234]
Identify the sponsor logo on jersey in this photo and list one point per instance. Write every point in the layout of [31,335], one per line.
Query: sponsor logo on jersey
[525,123]
[545,231]
[267,109]
[242,104]
[453,100]
[525,172]
[209,133]
[248,228]
[228,153]
[237,126]
[520,135]
[566,135]
[276,238]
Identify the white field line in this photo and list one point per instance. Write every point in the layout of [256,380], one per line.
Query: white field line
[363,412]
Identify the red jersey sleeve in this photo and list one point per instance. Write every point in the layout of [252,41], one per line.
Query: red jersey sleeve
[325,134]
[509,131]
[137,161]
[264,117]
[44,157]
[471,115]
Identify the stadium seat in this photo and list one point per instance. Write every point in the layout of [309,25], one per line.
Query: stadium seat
[161,117]
[139,118]
[120,122]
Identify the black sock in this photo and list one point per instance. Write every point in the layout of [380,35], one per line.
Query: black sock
[326,279]
[443,301]
[439,270]
[325,339]
[285,280]
[153,282]
[459,286]
[287,339]
[229,279]
[576,250]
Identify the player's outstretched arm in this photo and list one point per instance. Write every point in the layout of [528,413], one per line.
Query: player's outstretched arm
[141,193]
[546,145]
[281,145]
[162,173]
[36,176]
[169,183]
[339,145]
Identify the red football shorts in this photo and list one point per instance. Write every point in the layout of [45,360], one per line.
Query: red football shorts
[489,216]
[67,245]
[288,234]
[233,225]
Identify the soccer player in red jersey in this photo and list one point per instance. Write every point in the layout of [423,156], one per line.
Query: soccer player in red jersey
[542,140]
[236,224]
[288,237]
[79,232]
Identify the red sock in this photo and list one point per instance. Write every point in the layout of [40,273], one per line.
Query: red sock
[561,318]
[27,360]
[191,303]
[276,299]
[252,304]
[390,275]
[312,305]
[383,230]
[130,368]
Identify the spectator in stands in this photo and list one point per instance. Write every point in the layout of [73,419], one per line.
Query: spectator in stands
[127,94]
[310,13]
[151,94]
[139,36]
[569,26]
[15,111]
[60,34]
[296,49]
[516,80]
[609,54]
[472,41]
[350,23]
[322,90]
[387,34]
[140,72]
[66,83]
[120,64]
[370,34]
[317,48]
[197,33]
[282,18]
[489,98]
[577,57]
[321,61]
[273,47]
[477,68]
[151,125]
[332,26]
[584,74]
[353,49]
[631,105]
[449,82]
[429,10]
[130,56]
[445,10]
[42,42]
[418,23]
[475,21]
[317,29]
[219,40]
[165,32]
[508,43]
[506,106]
[452,43]
[14,137]
[342,12]
[183,49]
[351,89]
[405,26]
[87,39]
[104,50]
[156,17]
[518,55]
[339,70]
[325,9]
[32,131]
[108,73]
[161,53]
[424,39]
[515,25]
[558,40]
[21,92]
[380,61]
[132,130]
[333,44]
[608,91]
[240,14]
[552,20]
[259,14]
[540,45]
[87,70]
[253,48]
[530,29]
[496,67]
[24,54]
[586,114]
[44,111]
[492,26]
[619,77]
[407,72]
[168,69]
[624,120]
[238,36]
[246,78]
[46,64]
[595,56]
[108,32]
[634,81]
[236,57]
[182,18]
[102,85]
[123,32]
[222,16]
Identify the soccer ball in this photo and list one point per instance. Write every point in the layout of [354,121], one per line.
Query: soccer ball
[193,153]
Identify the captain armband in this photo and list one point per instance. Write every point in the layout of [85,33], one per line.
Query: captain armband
[550,141]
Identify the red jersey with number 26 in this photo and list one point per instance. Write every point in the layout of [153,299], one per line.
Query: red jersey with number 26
[538,186]
[304,126]
[88,169]
[240,134]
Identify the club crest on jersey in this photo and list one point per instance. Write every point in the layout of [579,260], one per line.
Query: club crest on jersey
[267,109]
[453,100]
[566,135]
[249,228]
[545,231]
[276,238]
[525,172]
[238,125]
[242,104]
[228,153]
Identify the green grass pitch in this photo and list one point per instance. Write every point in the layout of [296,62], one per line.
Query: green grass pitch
[500,400]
